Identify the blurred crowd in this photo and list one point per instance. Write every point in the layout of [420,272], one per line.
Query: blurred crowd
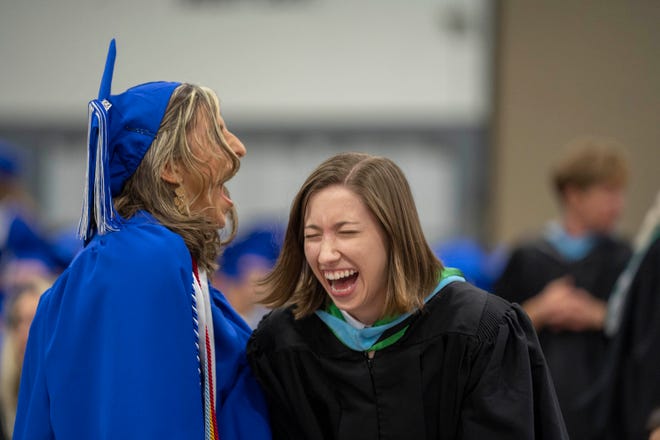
[30,260]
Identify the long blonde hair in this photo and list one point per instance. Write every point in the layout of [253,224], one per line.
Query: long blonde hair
[189,106]
[413,268]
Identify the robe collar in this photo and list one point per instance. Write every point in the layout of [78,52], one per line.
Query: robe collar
[570,247]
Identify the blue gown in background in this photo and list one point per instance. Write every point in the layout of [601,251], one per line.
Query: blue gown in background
[112,354]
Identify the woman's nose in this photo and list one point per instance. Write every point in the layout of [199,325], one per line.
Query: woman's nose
[328,252]
[235,144]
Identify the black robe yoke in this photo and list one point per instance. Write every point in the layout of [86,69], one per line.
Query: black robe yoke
[575,359]
[468,367]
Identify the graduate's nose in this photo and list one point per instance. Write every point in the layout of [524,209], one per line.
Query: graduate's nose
[235,144]
[328,252]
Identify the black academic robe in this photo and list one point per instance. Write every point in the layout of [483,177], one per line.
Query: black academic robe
[575,358]
[632,381]
[468,367]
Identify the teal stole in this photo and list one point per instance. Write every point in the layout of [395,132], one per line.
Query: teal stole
[368,338]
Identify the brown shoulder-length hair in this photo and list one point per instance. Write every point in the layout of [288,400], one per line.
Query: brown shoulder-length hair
[413,268]
[177,142]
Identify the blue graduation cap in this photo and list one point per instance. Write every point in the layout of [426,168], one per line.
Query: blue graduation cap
[465,254]
[263,242]
[121,128]
[9,160]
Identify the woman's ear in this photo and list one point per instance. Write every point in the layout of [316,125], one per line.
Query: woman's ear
[171,173]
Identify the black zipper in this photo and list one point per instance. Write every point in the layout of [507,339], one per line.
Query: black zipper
[370,361]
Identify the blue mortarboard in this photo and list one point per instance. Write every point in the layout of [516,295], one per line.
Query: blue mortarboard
[26,242]
[9,160]
[465,254]
[121,129]
[261,242]
[480,266]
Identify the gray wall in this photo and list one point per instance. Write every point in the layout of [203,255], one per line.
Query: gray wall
[295,61]
[298,80]
[566,69]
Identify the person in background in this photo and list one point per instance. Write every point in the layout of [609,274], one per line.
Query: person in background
[628,393]
[563,278]
[242,265]
[132,342]
[26,286]
[372,337]
[479,265]
[29,263]
[22,241]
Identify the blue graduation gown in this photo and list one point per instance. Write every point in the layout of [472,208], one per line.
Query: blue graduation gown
[111,352]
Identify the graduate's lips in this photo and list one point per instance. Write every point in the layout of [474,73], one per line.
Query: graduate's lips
[225,197]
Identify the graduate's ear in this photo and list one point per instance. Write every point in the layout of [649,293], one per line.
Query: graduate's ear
[171,173]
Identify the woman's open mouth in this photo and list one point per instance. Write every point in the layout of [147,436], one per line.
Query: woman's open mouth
[342,282]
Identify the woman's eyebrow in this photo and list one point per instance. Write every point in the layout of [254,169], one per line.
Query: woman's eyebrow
[336,225]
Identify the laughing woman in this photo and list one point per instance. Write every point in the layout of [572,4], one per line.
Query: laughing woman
[373,338]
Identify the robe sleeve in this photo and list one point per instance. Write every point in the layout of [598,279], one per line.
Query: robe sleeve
[290,418]
[512,395]
[112,353]
[242,412]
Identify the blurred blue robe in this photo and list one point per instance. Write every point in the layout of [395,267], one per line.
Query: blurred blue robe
[112,355]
